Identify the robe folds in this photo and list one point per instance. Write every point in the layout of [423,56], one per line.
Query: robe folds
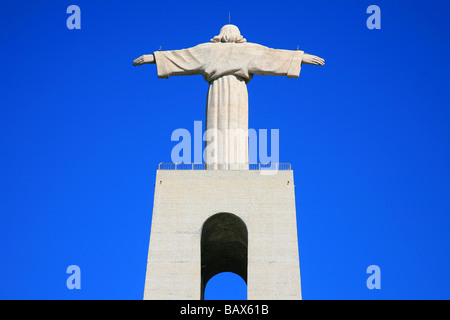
[227,67]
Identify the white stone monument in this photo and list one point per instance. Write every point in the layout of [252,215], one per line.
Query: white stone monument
[227,218]
[228,63]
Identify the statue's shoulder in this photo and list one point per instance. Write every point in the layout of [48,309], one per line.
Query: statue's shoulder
[246,46]
[205,45]
[217,44]
[256,45]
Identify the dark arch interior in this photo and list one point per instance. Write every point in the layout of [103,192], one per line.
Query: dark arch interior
[224,244]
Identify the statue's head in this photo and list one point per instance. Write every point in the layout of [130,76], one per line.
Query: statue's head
[229,33]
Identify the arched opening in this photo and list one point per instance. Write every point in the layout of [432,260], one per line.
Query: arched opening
[224,244]
[226,286]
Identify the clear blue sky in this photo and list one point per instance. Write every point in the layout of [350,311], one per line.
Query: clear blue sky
[82,132]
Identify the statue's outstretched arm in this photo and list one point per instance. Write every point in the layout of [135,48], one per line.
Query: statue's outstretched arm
[310,59]
[146,58]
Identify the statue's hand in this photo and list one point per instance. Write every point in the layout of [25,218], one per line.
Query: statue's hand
[146,58]
[315,60]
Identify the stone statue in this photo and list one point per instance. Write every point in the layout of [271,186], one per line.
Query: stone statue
[227,63]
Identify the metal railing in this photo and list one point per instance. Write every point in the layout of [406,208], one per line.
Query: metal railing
[232,166]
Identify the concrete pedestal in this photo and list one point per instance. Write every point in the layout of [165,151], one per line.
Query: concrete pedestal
[251,230]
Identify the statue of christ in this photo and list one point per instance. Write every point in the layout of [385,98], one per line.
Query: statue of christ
[228,62]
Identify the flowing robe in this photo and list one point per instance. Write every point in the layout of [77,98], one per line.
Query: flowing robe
[227,67]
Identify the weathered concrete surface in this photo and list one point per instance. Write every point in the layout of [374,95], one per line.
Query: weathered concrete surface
[184,200]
